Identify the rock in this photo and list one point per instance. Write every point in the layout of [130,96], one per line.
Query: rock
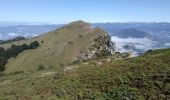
[102,46]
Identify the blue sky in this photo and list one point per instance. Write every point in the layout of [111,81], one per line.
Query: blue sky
[88,10]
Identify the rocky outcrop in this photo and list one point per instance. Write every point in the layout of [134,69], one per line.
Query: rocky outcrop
[102,46]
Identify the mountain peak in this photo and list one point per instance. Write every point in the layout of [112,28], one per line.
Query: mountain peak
[77,41]
[79,23]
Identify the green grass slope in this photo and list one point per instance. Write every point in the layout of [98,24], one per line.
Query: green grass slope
[139,78]
[57,48]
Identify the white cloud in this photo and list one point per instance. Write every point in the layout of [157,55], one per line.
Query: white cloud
[136,45]
[7,36]
[167,44]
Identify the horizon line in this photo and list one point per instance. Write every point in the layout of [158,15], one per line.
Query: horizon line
[55,22]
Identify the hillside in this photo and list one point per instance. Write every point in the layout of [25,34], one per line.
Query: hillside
[75,41]
[140,78]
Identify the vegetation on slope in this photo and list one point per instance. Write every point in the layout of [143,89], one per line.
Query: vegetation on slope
[13,52]
[144,77]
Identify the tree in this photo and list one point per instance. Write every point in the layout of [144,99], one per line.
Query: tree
[2,64]
[2,50]
[34,45]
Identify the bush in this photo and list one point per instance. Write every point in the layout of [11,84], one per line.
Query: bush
[2,50]
[33,45]
[71,43]
[80,36]
[2,64]
[40,67]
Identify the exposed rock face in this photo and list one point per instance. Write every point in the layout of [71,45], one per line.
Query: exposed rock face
[102,46]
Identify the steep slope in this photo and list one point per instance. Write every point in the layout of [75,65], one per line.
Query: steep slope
[60,47]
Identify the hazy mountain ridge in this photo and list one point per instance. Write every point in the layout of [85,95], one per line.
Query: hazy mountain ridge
[27,31]
[131,33]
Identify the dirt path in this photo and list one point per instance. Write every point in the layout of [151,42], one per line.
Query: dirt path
[47,74]
[70,67]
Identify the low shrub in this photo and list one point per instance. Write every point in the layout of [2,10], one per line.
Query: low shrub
[40,67]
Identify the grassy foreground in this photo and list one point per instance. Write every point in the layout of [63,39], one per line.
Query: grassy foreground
[144,77]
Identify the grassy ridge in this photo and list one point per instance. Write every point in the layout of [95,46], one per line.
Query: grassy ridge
[59,47]
[144,77]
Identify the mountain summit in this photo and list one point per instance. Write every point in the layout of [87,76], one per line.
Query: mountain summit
[76,41]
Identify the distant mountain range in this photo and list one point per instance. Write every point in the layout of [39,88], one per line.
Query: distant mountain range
[131,33]
[25,30]
[139,36]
